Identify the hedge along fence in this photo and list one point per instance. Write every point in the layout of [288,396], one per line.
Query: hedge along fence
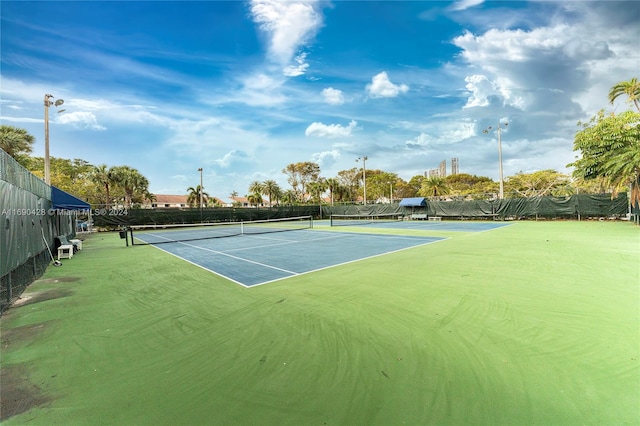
[574,207]
[115,218]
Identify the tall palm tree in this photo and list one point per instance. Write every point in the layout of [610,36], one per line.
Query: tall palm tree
[630,88]
[133,183]
[316,189]
[290,197]
[254,199]
[332,185]
[271,189]
[433,187]
[103,177]
[193,197]
[256,187]
[16,142]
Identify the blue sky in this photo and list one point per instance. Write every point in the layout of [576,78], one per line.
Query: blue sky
[242,89]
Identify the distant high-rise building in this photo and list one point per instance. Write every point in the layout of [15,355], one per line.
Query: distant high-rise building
[442,168]
[455,168]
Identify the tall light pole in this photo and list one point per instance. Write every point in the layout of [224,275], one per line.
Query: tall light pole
[499,130]
[364,159]
[391,192]
[47,103]
[201,191]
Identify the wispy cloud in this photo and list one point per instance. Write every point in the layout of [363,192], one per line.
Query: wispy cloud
[231,157]
[81,119]
[465,4]
[288,26]
[296,70]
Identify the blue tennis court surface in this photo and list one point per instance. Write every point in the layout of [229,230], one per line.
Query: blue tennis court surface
[251,260]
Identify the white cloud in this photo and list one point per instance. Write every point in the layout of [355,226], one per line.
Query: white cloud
[330,130]
[333,96]
[230,157]
[260,89]
[288,26]
[21,119]
[326,158]
[83,119]
[481,88]
[296,70]
[523,67]
[448,133]
[382,87]
[465,4]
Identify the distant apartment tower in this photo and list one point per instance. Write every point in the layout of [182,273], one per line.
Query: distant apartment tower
[441,171]
[455,168]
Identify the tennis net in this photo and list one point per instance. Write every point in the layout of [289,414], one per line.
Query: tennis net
[357,219]
[160,234]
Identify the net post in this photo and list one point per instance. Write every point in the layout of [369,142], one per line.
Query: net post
[241,228]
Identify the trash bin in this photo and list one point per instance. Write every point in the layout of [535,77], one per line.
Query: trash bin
[123,234]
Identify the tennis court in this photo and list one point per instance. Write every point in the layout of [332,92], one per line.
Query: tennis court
[254,259]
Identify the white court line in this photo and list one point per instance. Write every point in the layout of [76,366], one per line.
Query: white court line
[239,258]
[346,263]
[285,242]
[292,273]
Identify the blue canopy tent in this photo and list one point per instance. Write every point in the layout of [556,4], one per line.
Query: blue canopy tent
[67,206]
[61,200]
[413,202]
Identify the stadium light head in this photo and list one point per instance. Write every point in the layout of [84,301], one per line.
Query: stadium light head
[59,102]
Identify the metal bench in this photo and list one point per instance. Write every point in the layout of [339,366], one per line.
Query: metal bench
[418,216]
[435,218]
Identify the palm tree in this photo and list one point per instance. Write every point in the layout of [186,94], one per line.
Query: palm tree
[256,187]
[103,177]
[193,197]
[316,189]
[254,199]
[630,88]
[290,196]
[434,186]
[148,196]
[271,188]
[332,185]
[133,183]
[16,142]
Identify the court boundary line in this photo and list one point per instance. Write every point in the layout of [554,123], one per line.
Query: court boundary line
[295,274]
[439,239]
